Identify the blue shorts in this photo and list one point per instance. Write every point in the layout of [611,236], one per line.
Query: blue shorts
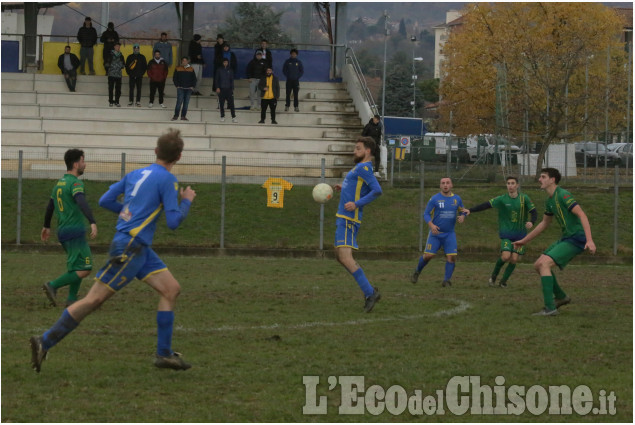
[346,233]
[128,260]
[446,240]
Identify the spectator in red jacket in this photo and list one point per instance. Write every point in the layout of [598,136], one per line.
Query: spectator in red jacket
[158,73]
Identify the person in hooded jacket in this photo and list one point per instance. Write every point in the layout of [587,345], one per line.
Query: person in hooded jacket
[157,73]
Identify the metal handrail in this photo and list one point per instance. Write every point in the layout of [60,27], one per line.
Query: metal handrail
[352,59]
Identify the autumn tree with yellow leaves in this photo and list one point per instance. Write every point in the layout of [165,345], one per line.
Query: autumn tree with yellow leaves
[553,66]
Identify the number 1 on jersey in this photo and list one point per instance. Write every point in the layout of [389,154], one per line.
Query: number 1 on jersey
[145,173]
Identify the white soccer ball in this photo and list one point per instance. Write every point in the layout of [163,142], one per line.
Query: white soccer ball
[322,193]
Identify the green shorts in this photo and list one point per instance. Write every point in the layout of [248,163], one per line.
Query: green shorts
[506,245]
[562,252]
[78,256]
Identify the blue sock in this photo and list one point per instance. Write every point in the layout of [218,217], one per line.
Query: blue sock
[449,269]
[64,325]
[165,320]
[363,283]
[422,264]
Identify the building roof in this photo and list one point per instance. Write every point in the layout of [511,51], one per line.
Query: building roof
[626,15]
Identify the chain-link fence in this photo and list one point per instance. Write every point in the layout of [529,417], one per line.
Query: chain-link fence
[267,204]
[493,165]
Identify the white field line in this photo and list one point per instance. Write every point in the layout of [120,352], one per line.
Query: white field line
[460,308]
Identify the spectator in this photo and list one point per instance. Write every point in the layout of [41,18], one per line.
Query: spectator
[270,90]
[256,69]
[196,56]
[266,53]
[114,75]
[225,89]
[136,66]
[227,53]
[218,59]
[165,48]
[185,81]
[293,70]
[109,38]
[87,37]
[373,129]
[157,73]
[68,64]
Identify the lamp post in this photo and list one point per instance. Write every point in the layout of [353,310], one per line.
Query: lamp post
[383,89]
[414,77]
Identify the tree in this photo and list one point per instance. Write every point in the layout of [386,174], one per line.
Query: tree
[429,90]
[399,86]
[402,28]
[252,22]
[517,64]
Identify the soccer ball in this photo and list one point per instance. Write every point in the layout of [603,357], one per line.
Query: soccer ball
[322,193]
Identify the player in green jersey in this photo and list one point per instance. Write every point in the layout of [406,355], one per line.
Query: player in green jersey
[576,237]
[68,202]
[516,214]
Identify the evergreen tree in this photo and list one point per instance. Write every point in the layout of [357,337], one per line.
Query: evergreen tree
[252,22]
[399,86]
[402,28]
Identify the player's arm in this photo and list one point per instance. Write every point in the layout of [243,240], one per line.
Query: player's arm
[46,230]
[375,192]
[584,220]
[546,221]
[532,220]
[427,217]
[175,213]
[80,199]
[480,207]
[109,199]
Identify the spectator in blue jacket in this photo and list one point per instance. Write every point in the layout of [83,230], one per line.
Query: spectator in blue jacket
[225,89]
[293,70]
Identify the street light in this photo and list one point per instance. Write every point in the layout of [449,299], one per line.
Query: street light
[383,90]
[414,77]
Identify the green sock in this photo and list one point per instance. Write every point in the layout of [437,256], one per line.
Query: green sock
[67,278]
[508,272]
[73,289]
[497,268]
[557,290]
[547,291]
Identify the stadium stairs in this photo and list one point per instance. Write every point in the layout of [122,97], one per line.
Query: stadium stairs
[43,119]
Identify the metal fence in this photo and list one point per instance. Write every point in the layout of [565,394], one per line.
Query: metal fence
[242,181]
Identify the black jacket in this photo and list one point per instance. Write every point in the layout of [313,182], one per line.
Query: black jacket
[293,69]
[194,51]
[136,65]
[256,68]
[218,55]
[266,55]
[184,77]
[87,36]
[109,38]
[373,130]
[74,62]
[276,86]
[224,78]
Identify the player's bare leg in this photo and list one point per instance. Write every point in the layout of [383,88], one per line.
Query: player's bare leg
[169,289]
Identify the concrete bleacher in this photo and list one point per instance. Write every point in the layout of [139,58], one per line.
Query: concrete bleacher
[40,115]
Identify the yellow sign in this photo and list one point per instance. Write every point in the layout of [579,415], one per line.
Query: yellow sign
[400,154]
[275,191]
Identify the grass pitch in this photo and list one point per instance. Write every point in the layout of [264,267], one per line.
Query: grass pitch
[253,327]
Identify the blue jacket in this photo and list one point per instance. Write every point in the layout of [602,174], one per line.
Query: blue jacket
[293,69]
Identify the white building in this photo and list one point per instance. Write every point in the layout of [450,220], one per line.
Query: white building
[441,34]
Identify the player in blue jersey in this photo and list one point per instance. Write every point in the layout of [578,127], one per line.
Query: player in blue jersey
[441,215]
[359,188]
[147,192]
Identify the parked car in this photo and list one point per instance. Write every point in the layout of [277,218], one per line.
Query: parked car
[625,152]
[483,146]
[595,152]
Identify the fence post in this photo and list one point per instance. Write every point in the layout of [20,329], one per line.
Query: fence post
[392,166]
[616,180]
[421,204]
[222,201]
[322,179]
[123,164]
[19,208]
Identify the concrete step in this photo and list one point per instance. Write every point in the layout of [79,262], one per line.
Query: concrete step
[144,114]
[320,95]
[342,134]
[343,120]
[18,138]
[21,110]
[338,107]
